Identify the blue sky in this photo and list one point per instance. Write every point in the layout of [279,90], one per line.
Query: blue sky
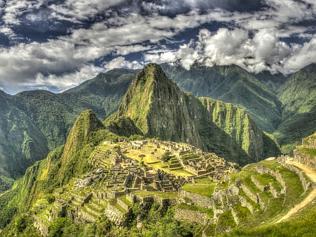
[56,45]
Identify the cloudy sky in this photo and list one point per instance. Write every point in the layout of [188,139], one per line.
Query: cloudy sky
[57,44]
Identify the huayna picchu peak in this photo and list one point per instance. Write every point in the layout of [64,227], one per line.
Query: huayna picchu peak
[163,162]
[159,108]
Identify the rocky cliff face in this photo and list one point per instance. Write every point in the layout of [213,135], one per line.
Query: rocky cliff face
[160,109]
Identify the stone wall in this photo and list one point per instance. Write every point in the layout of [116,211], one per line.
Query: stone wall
[306,184]
[245,203]
[114,214]
[252,196]
[197,199]
[264,170]
[122,204]
[191,216]
[40,226]
[305,159]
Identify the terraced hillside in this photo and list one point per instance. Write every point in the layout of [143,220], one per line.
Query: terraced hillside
[102,184]
[260,194]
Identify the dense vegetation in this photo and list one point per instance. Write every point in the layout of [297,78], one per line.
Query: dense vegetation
[34,122]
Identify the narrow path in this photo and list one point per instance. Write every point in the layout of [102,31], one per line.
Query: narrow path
[311,174]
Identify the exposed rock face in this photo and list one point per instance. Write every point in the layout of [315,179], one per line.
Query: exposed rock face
[160,109]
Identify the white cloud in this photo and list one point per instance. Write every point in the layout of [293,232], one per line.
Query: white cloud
[66,81]
[263,51]
[24,62]
[303,56]
[77,10]
[120,62]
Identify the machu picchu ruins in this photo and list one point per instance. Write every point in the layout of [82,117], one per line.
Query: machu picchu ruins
[201,187]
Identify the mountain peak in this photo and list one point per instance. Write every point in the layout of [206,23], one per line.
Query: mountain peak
[150,87]
[152,72]
[86,123]
[310,68]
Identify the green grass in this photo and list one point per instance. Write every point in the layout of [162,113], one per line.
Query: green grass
[302,225]
[209,212]
[225,222]
[309,151]
[202,188]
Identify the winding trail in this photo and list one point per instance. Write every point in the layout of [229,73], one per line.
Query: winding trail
[311,174]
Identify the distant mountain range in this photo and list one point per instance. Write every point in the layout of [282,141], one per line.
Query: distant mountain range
[34,122]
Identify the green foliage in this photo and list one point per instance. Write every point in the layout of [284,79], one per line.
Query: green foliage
[63,227]
[7,211]
[302,225]
[21,223]
[234,85]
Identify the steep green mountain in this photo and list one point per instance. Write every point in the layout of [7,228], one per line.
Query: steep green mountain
[101,94]
[118,186]
[273,81]
[49,112]
[34,122]
[298,96]
[160,109]
[21,143]
[234,85]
